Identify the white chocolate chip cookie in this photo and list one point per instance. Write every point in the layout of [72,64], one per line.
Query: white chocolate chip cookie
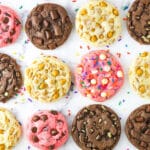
[139,75]
[98,23]
[47,79]
[10,130]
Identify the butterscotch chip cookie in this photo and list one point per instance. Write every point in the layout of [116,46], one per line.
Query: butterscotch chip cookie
[139,75]
[10,77]
[96,127]
[48,26]
[138,22]
[47,79]
[138,127]
[98,23]
[10,130]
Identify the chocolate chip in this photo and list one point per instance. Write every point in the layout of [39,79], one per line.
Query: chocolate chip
[36,118]
[54,132]
[5,20]
[8,40]
[54,112]
[34,129]
[7,14]
[54,14]
[35,139]
[17,22]
[51,147]
[12,32]
[44,117]
[37,40]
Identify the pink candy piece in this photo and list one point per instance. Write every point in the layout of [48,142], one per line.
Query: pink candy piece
[99,75]
[47,130]
[10,26]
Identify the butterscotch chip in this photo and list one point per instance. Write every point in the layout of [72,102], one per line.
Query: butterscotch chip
[98,23]
[10,130]
[138,127]
[139,75]
[47,79]
[96,127]
[138,22]
[48,26]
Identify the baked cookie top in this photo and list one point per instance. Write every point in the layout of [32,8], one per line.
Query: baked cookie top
[96,127]
[10,130]
[10,77]
[47,79]
[138,127]
[98,23]
[48,26]
[139,75]
[138,22]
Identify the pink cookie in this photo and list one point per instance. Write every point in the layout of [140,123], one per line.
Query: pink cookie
[99,75]
[10,26]
[47,130]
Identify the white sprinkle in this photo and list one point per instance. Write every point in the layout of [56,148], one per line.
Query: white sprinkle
[104,81]
[119,74]
[107,68]
[102,57]
[94,71]
[103,94]
[93,81]
[6,94]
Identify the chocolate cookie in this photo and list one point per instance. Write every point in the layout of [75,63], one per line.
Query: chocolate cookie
[138,22]
[10,77]
[48,26]
[96,127]
[138,127]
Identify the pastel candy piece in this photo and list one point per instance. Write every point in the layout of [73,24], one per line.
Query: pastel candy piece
[47,130]
[101,75]
[10,26]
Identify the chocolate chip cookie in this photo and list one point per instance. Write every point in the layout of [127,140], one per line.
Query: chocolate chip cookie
[10,77]
[138,22]
[138,127]
[96,127]
[48,26]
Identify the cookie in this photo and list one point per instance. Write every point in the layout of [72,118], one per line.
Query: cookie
[10,26]
[138,127]
[47,130]
[138,22]
[99,75]
[47,79]
[10,77]
[48,26]
[98,23]
[10,130]
[96,127]
[139,75]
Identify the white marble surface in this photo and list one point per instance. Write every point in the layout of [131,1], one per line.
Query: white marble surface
[123,102]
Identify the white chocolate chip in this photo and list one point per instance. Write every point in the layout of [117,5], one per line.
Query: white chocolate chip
[93,91]
[6,94]
[119,74]
[104,81]
[89,95]
[102,57]
[94,71]
[103,94]
[107,68]
[93,81]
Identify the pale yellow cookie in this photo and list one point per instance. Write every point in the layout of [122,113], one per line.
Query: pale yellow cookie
[98,23]
[47,79]
[10,130]
[139,75]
